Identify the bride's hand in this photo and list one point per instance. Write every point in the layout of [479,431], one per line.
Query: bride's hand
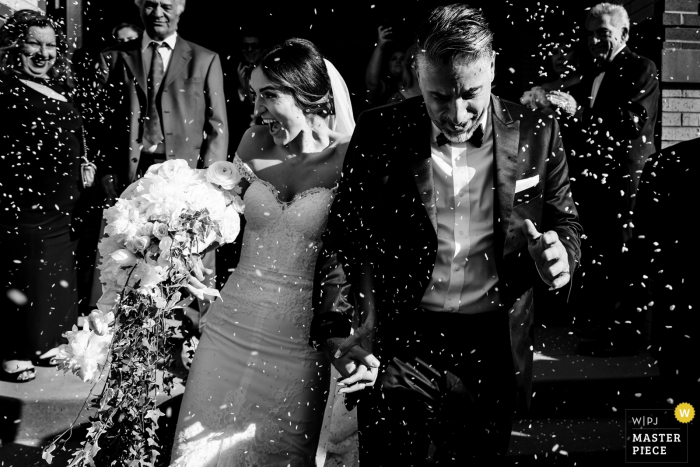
[356,364]
[359,369]
[195,286]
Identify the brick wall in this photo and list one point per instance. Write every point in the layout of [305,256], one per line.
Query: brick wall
[680,72]
[680,115]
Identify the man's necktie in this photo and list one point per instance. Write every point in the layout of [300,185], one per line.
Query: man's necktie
[152,130]
[477,138]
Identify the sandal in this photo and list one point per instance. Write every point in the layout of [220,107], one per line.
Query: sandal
[20,376]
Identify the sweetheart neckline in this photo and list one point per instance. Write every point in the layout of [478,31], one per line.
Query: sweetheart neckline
[285,204]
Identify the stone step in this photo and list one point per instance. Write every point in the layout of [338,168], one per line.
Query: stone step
[33,414]
[576,416]
[578,406]
[566,385]
[565,441]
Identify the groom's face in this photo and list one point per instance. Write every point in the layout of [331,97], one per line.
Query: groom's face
[456,94]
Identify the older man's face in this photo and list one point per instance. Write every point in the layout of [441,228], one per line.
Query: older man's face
[605,38]
[456,95]
[160,17]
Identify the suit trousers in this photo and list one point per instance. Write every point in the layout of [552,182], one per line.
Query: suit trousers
[446,379]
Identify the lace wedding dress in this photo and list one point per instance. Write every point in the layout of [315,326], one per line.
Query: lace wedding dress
[257,391]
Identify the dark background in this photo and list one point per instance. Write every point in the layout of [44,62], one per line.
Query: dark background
[346,32]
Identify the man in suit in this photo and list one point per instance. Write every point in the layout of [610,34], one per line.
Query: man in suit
[164,99]
[619,118]
[163,94]
[432,250]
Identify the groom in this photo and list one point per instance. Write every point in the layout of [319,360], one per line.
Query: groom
[432,249]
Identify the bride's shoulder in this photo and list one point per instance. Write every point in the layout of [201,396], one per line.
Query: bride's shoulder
[256,140]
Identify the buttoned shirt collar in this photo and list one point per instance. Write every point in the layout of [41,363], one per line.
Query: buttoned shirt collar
[170,40]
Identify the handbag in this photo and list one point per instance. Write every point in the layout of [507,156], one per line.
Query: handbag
[87,168]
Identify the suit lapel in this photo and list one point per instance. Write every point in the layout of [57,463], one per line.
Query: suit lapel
[181,55]
[134,61]
[506,135]
[418,145]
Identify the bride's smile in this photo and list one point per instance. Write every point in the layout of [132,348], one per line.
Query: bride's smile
[277,108]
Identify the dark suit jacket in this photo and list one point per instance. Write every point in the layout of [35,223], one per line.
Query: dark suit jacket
[190,101]
[385,211]
[620,136]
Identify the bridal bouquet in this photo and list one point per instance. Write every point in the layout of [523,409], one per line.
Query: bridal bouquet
[535,98]
[155,236]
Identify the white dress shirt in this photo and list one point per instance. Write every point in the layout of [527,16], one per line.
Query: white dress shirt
[165,52]
[599,79]
[464,279]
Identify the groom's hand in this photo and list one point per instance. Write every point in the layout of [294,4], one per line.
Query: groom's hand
[549,255]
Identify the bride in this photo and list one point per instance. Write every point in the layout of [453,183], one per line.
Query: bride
[257,391]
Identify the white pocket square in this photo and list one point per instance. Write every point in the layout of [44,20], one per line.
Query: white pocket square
[526,183]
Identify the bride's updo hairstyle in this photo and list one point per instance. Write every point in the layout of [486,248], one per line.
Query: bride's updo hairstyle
[297,67]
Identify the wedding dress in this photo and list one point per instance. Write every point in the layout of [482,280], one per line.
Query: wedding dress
[256,392]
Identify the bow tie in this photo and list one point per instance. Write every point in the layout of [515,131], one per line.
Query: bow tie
[477,138]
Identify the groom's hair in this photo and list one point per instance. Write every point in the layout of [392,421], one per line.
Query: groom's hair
[454,32]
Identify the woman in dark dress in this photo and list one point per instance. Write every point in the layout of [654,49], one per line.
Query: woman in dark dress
[40,163]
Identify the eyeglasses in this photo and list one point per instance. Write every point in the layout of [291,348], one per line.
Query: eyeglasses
[250,46]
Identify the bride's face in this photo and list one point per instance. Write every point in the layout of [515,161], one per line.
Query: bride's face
[277,108]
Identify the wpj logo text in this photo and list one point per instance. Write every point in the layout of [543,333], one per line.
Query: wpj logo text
[655,435]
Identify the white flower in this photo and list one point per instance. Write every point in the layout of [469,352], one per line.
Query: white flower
[165,243]
[108,299]
[109,245]
[238,204]
[130,191]
[99,321]
[175,223]
[223,174]
[131,246]
[148,276]
[536,98]
[85,353]
[145,230]
[160,230]
[124,257]
[175,169]
[141,243]
[207,197]
[164,258]
[230,225]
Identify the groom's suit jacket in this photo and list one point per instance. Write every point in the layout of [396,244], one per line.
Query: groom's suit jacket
[190,103]
[385,211]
